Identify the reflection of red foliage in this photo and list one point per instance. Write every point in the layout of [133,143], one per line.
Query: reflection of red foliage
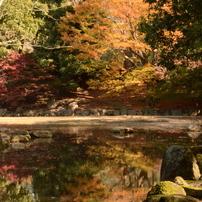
[21,77]
[7,172]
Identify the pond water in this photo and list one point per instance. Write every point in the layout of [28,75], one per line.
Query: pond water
[86,164]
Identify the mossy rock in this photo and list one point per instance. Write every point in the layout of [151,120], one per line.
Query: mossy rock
[167,188]
[190,189]
[170,198]
[193,191]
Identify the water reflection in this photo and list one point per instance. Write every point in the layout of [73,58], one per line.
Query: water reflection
[84,165]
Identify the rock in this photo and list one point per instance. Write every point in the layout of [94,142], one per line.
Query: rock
[51,104]
[124,111]
[61,111]
[122,130]
[166,188]
[53,112]
[19,145]
[18,132]
[194,112]
[172,198]
[131,112]
[19,110]
[194,127]
[78,112]
[103,112]
[4,140]
[193,191]
[94,112]
[42,134]
[42,140]
[194,135]
[109,113]
[199,161]
[73,105]
[3,111]
[20,138]
[85,113]
[117,112]
[28,112]
[40,112]
[190,190]
[176,112]
[180,181]
[179,161]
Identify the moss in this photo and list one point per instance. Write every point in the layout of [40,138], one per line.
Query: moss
[193,191]
[167,188]
[171,198]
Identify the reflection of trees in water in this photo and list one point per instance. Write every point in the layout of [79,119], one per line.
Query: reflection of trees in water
[91,165]
[16,191]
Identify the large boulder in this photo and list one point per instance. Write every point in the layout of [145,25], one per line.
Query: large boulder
[179,161]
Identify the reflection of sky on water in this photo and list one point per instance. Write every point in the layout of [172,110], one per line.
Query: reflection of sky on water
[84,164]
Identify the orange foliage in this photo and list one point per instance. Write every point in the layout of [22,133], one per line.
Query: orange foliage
[85,189]
[100,25]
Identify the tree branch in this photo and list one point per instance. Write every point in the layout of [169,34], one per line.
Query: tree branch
[8,43]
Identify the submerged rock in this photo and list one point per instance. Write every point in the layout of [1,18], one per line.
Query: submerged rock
[20,138]
[194,127]
[4,140]
[19,145]
[122,130]
[42,134]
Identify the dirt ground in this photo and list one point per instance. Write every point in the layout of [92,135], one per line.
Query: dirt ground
[100,99]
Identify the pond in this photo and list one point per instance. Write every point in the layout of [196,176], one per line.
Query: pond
[86,164]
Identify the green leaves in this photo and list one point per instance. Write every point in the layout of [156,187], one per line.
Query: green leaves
[174,29]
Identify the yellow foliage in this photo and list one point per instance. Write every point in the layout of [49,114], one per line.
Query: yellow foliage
[104,25]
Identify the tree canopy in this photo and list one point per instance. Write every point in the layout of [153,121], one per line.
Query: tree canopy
[100,44]
[173,28]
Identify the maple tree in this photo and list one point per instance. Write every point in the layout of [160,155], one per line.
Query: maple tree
[20,78]
[98,26]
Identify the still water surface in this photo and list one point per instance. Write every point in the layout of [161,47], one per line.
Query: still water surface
[86,165]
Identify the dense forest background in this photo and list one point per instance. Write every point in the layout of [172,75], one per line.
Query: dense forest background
[51,47]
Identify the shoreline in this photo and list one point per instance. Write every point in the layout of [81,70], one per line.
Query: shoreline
[164,123]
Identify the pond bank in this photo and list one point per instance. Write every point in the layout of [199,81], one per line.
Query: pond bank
[165,123]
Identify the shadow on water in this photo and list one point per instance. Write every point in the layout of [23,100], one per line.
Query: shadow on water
[86,164]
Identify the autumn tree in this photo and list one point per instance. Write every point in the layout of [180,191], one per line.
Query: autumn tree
[30,27]
[106,31]
[173,28]
[21,79]
[98,26]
